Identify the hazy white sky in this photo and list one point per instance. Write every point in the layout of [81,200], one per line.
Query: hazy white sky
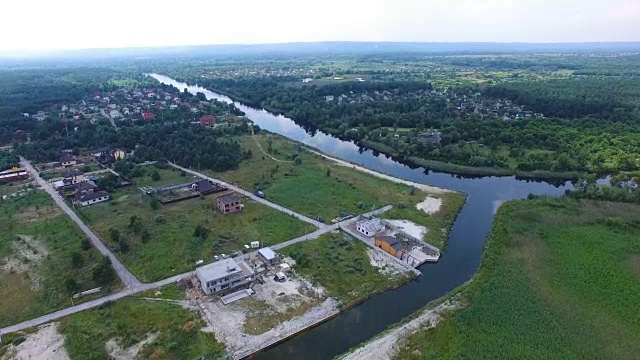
[63,24]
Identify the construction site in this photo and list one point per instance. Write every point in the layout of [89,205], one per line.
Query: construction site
[256,301]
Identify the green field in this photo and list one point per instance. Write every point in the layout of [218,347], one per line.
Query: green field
[320,188]
[131,321]
[340,264]
[161,240]
[44,259]
[560,279]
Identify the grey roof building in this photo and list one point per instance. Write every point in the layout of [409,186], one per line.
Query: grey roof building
[224,275]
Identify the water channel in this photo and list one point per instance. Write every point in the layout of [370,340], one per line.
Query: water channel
[458,264]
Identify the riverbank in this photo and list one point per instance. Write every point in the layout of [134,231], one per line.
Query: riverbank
[534,284]
[465,170]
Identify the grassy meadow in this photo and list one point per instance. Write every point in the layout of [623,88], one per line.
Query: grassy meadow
[130,321]
[44,259]
[156,241]
[320,188]
[340,264]
[560,279]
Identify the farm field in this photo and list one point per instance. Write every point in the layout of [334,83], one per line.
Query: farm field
[320,188]
[560,279]
[45,259]
[341,264]
[156,241]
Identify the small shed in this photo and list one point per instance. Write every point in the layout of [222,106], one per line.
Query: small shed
[390,244]
[268,256]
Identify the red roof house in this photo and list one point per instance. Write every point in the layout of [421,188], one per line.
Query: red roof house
[208,121]
[148,115]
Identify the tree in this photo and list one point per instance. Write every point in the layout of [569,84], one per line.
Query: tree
[298,160]
[103,273]
[155,176]
[76,259]
[328,172]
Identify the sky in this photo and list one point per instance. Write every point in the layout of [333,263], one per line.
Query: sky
[76,24]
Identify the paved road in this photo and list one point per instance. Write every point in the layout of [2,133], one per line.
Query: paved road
[93,303]
[254,197]
[128,279]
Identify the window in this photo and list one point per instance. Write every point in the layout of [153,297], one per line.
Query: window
[224,286]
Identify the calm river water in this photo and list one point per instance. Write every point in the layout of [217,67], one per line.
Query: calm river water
[458,264]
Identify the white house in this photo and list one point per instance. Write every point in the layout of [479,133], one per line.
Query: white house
[224,275]
[268,255]
[370,227]
[91,198]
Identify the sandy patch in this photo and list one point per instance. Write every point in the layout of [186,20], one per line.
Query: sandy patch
[387,346]
[46,344]
[227,321]
[430,205]
[28,254]
[423,187]
[409,227]
[385,265]
[116,352]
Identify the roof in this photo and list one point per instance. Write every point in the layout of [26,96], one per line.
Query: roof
[207,119]
[372,225]
[204,185]
[221,268]
[388,239]
[72,173]
[67,158]
[228,198]
[85,185]
[92,195]
[267,253]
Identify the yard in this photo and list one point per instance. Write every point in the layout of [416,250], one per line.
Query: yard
[320,188]
[156,241]
[560,279]
[44,260]
[342,265]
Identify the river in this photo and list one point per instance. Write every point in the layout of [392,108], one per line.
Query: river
[459,263]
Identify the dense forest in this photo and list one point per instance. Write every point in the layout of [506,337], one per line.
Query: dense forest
[591,123]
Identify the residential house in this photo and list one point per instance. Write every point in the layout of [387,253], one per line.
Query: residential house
[84,187]
[268,256]
[370,227]
[148,115]
[68,160]
[208,121]
[205,187]
[72,177]
[224,275]
[229,203]
[429,137]
[390,244]
[93,197]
